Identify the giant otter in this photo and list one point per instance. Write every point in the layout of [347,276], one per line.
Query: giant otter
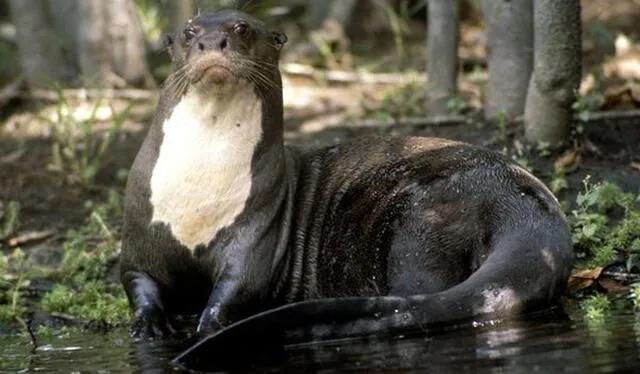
[222,219]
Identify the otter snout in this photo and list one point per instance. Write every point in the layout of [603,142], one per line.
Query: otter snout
[215,41]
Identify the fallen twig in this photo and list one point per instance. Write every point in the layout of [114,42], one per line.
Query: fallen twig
[30,237]
[130,94]
[610,114]
[343,76]
[13,156]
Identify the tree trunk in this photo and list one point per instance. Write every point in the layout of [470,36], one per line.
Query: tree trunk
[180,12]
[39,49]
[126,42]
[319,11]
[102,41]
[557,69]
[442,54]
[93,48]
[510,55]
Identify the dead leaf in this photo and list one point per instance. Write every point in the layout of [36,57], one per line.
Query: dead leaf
[567,160]
[613,286]
[577,284]
[622,97]
[583,278]
[593,273]
[587,85]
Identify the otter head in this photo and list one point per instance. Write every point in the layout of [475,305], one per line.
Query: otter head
[219,49]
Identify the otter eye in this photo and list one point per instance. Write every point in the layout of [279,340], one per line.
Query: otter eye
[189,33]
[241,29]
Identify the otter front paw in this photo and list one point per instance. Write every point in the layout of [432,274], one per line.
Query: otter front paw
[212,319]
[151,323]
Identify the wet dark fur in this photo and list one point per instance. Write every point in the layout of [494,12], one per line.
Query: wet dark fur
[446,229]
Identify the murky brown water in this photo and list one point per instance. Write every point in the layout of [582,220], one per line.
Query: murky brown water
[550,343]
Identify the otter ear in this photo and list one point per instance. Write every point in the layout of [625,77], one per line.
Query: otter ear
[279,39]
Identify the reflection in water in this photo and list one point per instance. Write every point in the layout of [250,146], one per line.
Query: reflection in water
[550,343]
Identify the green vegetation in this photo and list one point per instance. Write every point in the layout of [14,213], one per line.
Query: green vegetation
[457,105]
[153,21]
[596,241]
[14,269]
[9,218]
[78,150]
[95,301]
[83,287]
[559,182]
[596,307]
[405,101]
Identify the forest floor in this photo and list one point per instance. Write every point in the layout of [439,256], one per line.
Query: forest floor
[319,110]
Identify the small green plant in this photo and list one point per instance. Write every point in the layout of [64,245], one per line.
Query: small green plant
[596,307]
[559,182]
[405,101]
[89,255]
[544,149]
[14,270]
[592,236]
[154,23]
[77,151]
[635,295]
[585,105]
[9,218]
[457,105]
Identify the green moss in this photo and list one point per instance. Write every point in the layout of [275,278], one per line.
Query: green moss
[86,263]
[95,301]
[88,256]
[83,262]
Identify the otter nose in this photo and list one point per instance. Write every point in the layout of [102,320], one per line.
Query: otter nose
[214,42]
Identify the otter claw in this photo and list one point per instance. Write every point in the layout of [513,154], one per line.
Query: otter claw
[151,324]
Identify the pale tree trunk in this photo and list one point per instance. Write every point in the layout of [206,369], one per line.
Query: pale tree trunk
[180,12]
[557,69]
[510,55]
[338,10]
[126,42]
[102,41]
[40,51]
[443,17]
[93,48]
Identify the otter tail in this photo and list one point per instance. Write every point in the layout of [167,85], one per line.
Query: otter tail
[525,270]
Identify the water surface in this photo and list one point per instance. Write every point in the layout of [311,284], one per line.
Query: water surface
[549,343]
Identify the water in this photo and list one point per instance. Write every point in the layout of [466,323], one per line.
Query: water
[550,343]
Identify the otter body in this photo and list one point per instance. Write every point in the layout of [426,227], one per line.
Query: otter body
[223,220]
